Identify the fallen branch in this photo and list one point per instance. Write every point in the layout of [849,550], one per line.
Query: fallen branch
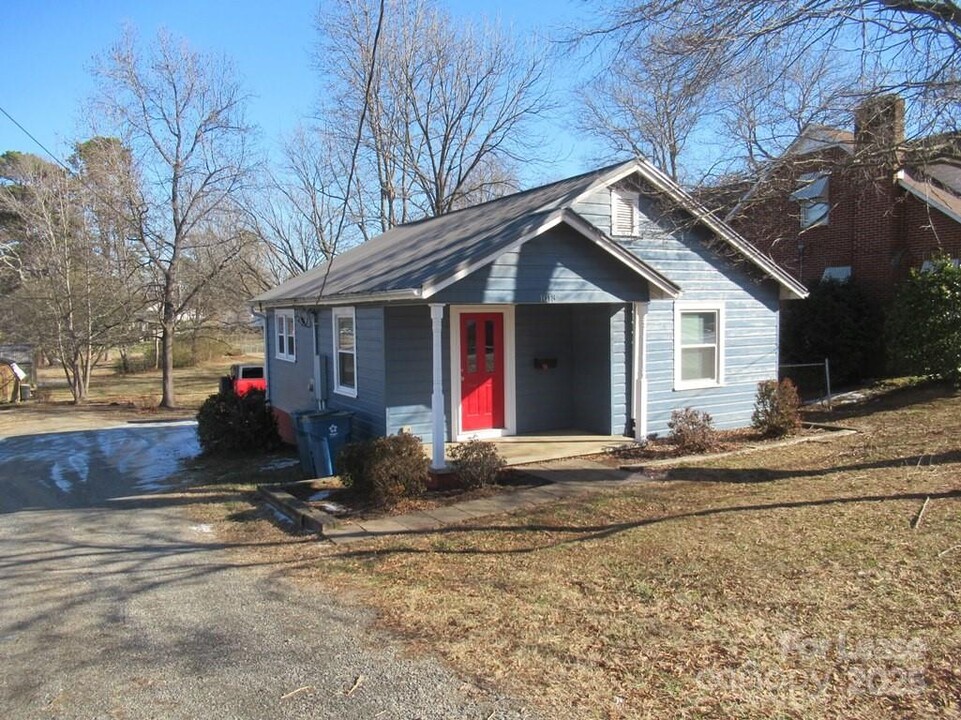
[917,519]
[353,689]
[305,688]
[945,552]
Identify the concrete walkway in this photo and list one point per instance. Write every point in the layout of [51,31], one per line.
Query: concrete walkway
[567,478]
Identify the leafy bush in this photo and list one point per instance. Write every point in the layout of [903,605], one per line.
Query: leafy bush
[476,463]
[227,423]
[692,431]
[384,470]
[776,408]
[924,324]
[837,321]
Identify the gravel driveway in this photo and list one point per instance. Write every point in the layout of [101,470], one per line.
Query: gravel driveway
[114,605]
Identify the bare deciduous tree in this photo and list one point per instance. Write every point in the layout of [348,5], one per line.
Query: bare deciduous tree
[182,115]
[649,105]
[297,210]
[911,47]
[65,262]
[449,104]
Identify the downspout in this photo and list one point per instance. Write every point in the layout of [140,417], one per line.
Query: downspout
[640,371]
[319,389]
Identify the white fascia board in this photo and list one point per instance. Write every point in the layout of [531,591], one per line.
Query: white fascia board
[721,229]
[659,281]
[614,176]
[333,300]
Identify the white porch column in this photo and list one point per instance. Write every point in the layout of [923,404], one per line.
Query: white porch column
[640,371]
[438,433]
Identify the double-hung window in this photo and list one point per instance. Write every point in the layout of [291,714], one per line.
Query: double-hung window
[698,357]
[345,351]
[286,335]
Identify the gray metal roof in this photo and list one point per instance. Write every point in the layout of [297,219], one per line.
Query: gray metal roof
[416,259]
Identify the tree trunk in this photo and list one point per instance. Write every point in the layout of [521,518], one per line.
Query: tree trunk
[167,356]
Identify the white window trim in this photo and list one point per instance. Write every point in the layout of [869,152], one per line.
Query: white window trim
[634,197]
[342,312]
[287,316]
[813,221]
[510,370]
[681,308]
[822,200]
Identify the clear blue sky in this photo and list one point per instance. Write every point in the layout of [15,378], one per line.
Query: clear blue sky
[48,47]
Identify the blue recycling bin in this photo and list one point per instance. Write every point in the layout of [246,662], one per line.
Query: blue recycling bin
[327,432]
[303,442]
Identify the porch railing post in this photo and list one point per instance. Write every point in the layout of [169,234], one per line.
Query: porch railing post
[640,371]
[438,433]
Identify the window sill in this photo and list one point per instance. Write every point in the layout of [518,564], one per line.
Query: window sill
[286,358]
[697,385]
[346,392]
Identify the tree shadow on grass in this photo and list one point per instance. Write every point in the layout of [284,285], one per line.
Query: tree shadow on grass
[693,473]
[585,533]
[889,401]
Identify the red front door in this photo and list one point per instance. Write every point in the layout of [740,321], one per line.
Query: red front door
[481,371]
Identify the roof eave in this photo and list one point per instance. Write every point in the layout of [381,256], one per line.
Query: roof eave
[340,299]
[908,183]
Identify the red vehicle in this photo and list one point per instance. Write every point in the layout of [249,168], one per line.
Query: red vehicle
[244,378]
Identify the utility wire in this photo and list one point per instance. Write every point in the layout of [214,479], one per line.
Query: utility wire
[356,149]
[39,144]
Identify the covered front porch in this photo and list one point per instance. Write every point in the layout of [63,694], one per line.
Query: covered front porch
[558,380]
[547,446]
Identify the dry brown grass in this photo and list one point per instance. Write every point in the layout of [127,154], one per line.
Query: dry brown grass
[788,583]
[142,391]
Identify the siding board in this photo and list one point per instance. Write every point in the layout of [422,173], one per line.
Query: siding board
[750,309]
[557,267]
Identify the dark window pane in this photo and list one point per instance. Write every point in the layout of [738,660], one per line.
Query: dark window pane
[471,346]
[346,369]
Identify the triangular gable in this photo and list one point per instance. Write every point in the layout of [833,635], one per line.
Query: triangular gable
[658,282]
[675,193]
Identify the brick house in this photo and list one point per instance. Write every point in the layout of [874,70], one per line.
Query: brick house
[862,205]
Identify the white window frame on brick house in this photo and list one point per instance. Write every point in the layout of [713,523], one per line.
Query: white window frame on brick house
[285,335]
[812,195]
[717,379]
[622,203]
[928,265]
[837,273]
[342,351]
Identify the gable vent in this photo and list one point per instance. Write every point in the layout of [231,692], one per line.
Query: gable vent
[623,212]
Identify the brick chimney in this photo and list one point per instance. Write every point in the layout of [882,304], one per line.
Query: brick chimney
[879,127]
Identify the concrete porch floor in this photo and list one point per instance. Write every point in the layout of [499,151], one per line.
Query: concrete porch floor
[554,445]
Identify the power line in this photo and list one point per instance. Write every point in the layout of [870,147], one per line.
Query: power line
[357,141]
[32,137]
